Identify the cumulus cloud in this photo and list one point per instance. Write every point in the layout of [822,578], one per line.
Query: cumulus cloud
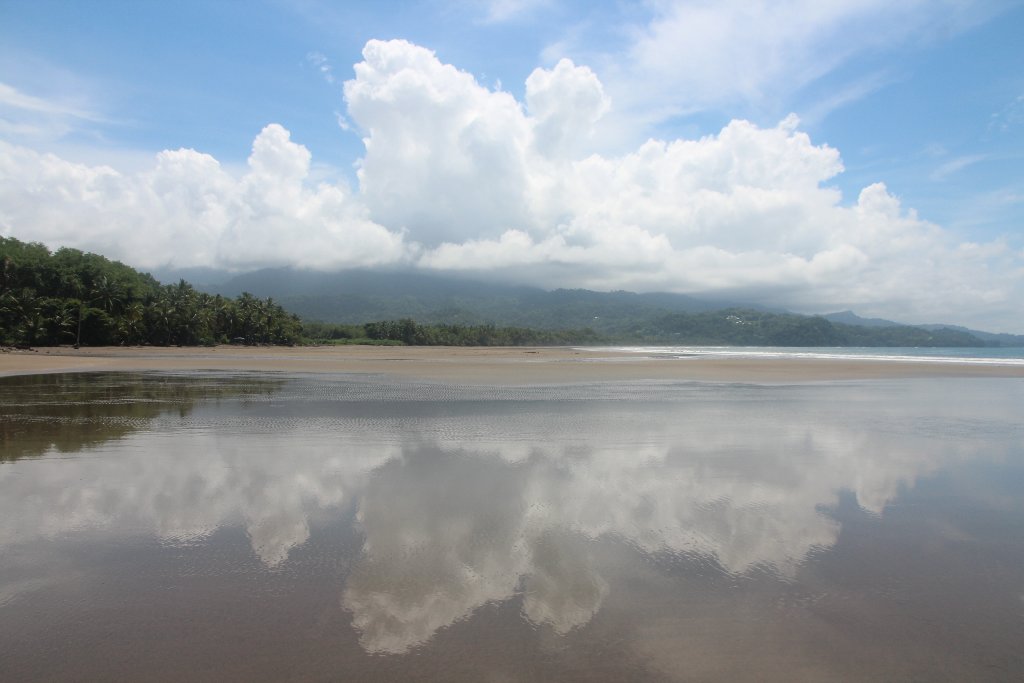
[460,177]
[564,103]
[445,156]
[189,211]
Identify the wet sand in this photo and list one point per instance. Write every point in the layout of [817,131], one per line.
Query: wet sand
[490,365]
[199,526]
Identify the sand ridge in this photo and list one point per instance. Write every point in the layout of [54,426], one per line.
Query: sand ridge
[482,365]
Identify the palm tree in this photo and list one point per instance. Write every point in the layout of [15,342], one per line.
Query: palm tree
[62,319]
[248,310]
[26,308]
[106,293]
[74,284]
[164,317]
[132,323]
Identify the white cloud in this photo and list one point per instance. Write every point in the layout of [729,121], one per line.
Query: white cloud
[564,103]
[444,155]
[457,176]
[189,211]
[747,212]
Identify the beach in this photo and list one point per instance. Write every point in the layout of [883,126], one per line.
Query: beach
[504,366]
[465,514]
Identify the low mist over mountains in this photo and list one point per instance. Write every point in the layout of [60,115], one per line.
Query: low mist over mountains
[992,338]
[359,296]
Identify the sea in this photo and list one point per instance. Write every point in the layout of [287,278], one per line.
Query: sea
[974,355]
[209,526]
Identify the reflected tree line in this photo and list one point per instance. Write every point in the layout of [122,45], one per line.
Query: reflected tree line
[72,297]
[67,413]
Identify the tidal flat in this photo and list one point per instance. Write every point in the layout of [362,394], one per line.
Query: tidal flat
[207,525]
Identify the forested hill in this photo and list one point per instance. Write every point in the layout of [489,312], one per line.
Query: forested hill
[728,327]
[73,297]
[359,296]
[346,300]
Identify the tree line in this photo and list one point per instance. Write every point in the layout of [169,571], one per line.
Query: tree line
[72,297]
[408,332]
[726,327]
[746,327]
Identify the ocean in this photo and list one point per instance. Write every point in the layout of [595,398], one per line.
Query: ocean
[981,355]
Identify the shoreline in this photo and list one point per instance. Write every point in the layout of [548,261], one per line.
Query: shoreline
[482,365]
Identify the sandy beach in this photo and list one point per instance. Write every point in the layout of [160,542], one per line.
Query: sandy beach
[441,514]
[491,365]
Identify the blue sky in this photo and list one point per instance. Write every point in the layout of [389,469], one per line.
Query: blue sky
[926,99]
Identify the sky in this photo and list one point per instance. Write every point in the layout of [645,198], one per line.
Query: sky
[816,155]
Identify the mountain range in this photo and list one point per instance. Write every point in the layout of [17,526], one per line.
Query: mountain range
[360,296]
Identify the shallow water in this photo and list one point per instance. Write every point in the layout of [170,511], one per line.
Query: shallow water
[271,527]
[991,355]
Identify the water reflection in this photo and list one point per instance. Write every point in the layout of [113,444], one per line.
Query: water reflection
[469,497]
[68,413]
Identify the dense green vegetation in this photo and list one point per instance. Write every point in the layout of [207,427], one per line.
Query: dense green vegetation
[72,297]
[729,327]
[745,327]
[407,331]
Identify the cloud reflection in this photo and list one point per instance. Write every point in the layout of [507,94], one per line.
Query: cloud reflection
[473,505]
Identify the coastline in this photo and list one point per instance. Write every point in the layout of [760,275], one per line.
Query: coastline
[482,365]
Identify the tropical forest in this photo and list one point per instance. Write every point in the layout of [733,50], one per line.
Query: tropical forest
[71,297]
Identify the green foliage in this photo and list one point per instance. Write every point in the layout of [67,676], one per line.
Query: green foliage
[409,332]
[69,296]
[744,327]
[905,335]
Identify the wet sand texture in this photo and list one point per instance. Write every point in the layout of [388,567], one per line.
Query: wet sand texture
[502,365]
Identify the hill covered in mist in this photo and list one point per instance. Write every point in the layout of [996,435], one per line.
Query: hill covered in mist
[355,297]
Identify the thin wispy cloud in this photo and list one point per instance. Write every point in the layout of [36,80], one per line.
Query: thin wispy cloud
[30,116]
[498,11]
[954,166]
[837,98]
[320,62]
[1009,117]
[691,56]
[12,98]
